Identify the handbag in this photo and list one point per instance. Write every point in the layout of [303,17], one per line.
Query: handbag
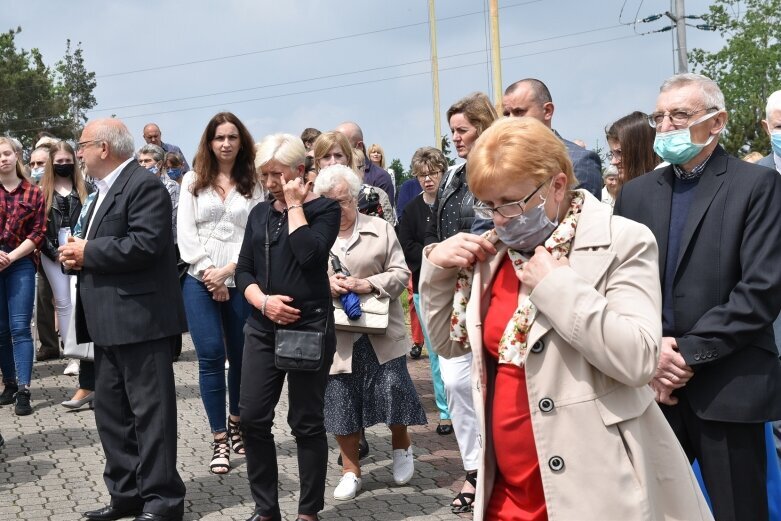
[373,319]
[71,349]
[301,347]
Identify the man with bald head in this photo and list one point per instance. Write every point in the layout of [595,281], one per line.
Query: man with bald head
[153,136]
[129,304]
[531,97]
[372,174]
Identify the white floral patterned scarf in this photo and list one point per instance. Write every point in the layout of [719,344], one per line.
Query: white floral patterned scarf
[512,345]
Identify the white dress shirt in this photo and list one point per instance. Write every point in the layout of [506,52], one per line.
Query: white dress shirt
[103,186]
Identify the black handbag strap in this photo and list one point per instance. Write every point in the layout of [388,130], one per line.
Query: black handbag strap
[268,264]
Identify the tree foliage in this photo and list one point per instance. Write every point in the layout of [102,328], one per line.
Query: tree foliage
[445,147]
[398,171]
[35,97]
[747,68]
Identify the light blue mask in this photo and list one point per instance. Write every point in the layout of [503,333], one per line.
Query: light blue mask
[37,174]
[676,146]
[525,232]
[775,142]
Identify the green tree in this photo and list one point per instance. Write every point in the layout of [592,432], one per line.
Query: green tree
[747,68]
[35,98]
[75,84]
[445,147]
[398,171]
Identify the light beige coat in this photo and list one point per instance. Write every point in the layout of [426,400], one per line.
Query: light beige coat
[605,450]
[375,254]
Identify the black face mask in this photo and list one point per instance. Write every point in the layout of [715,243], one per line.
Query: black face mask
[64,170]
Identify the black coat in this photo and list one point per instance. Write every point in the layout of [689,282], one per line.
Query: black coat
[727,283]
[54,223]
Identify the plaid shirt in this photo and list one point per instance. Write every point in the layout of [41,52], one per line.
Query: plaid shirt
[22,216]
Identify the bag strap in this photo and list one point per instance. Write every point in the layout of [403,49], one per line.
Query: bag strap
[268,264]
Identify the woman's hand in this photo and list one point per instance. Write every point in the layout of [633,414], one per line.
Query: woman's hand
[221,294]
[358,286]
[461,251]
[296,191]
[539,266]
[213,277]
[5,260]
[279,312]
[338,284]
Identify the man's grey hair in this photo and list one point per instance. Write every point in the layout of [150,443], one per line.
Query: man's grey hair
[157,153]
[711,93]
[118,137]
[330,177]
[773,103]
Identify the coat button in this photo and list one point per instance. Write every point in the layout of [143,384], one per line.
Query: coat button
[697,356]
[537,347]
[556,463]
[546,405]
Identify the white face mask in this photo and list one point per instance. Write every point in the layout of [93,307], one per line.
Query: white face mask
[37,174]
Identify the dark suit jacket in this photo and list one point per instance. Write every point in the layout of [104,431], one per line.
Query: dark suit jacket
[727,285]
[128,289]
[587,167]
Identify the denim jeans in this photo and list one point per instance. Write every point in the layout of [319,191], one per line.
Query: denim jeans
[217,330]
[17,294]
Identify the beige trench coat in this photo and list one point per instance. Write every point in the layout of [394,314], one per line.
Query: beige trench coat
[605,450]
[375,254]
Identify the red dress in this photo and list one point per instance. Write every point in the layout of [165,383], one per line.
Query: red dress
[517,493]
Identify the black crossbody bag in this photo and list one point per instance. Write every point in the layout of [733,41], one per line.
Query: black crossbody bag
[302,348]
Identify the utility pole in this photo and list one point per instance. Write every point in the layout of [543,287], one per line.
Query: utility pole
[496,60]
[678,16]
[432,30]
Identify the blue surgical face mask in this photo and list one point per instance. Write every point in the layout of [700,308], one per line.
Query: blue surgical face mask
[37,174]
[174,173]
[676,146]
[775,142]
[153,169]
[527,231]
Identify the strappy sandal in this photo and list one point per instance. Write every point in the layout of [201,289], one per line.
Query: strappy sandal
[220,463]
[234,433]
[465,499]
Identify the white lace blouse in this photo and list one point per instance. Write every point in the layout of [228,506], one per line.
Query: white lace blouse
[210,231]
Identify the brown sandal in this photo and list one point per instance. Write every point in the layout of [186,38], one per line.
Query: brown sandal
[234,433]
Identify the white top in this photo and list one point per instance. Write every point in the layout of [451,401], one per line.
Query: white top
[210,231]
[103,186]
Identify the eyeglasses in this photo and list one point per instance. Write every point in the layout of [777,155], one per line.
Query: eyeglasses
[83,144]
[508,210]
[431,175]
[677,117]
[345,203]
[614,153]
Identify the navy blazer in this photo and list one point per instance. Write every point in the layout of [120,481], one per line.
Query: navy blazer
[128,289]
[727,285]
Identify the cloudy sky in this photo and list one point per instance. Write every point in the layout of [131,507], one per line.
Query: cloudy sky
[284,65]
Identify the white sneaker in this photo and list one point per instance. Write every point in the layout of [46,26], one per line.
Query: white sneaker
[348,486]
[403,466]
[72,369]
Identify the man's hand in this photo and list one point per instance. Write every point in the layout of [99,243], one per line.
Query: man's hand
[72,253]
[672,372]
[539,266]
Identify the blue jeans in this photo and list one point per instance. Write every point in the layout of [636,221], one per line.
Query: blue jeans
[440,398]
[17,294]
[217,330]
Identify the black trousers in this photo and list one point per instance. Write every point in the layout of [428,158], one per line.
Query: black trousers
[261,387]
[44,316]
[135,412]
[732,459]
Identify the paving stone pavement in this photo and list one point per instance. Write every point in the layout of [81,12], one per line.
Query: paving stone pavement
[52,462]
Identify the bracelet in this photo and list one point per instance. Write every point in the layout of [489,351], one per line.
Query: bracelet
[290,207]
[263,307]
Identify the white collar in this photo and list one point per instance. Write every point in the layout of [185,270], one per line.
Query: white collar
[105,184]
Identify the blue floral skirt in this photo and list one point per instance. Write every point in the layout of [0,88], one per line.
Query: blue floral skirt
[371,394]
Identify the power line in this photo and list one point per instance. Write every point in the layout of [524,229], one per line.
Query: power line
[303,44]
[329,76]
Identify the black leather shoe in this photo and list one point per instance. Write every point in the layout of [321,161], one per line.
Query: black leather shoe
[148,516]
[44,354]
[443,429]
[415,351]
[110,513]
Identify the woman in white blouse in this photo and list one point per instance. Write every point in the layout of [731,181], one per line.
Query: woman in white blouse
[214,203]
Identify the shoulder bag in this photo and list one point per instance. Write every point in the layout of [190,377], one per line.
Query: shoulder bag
[299,347]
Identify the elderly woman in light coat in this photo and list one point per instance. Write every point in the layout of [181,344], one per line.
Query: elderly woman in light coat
[560,306]
[369,382]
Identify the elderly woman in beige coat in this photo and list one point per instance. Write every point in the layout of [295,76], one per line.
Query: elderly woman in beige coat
[369,382]
[560,305]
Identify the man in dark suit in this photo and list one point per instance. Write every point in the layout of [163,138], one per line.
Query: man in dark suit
[130,305]
[531,97]
[716,221]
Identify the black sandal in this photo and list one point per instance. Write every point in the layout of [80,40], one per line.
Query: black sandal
[220,463]
[465,499]
[234,433]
